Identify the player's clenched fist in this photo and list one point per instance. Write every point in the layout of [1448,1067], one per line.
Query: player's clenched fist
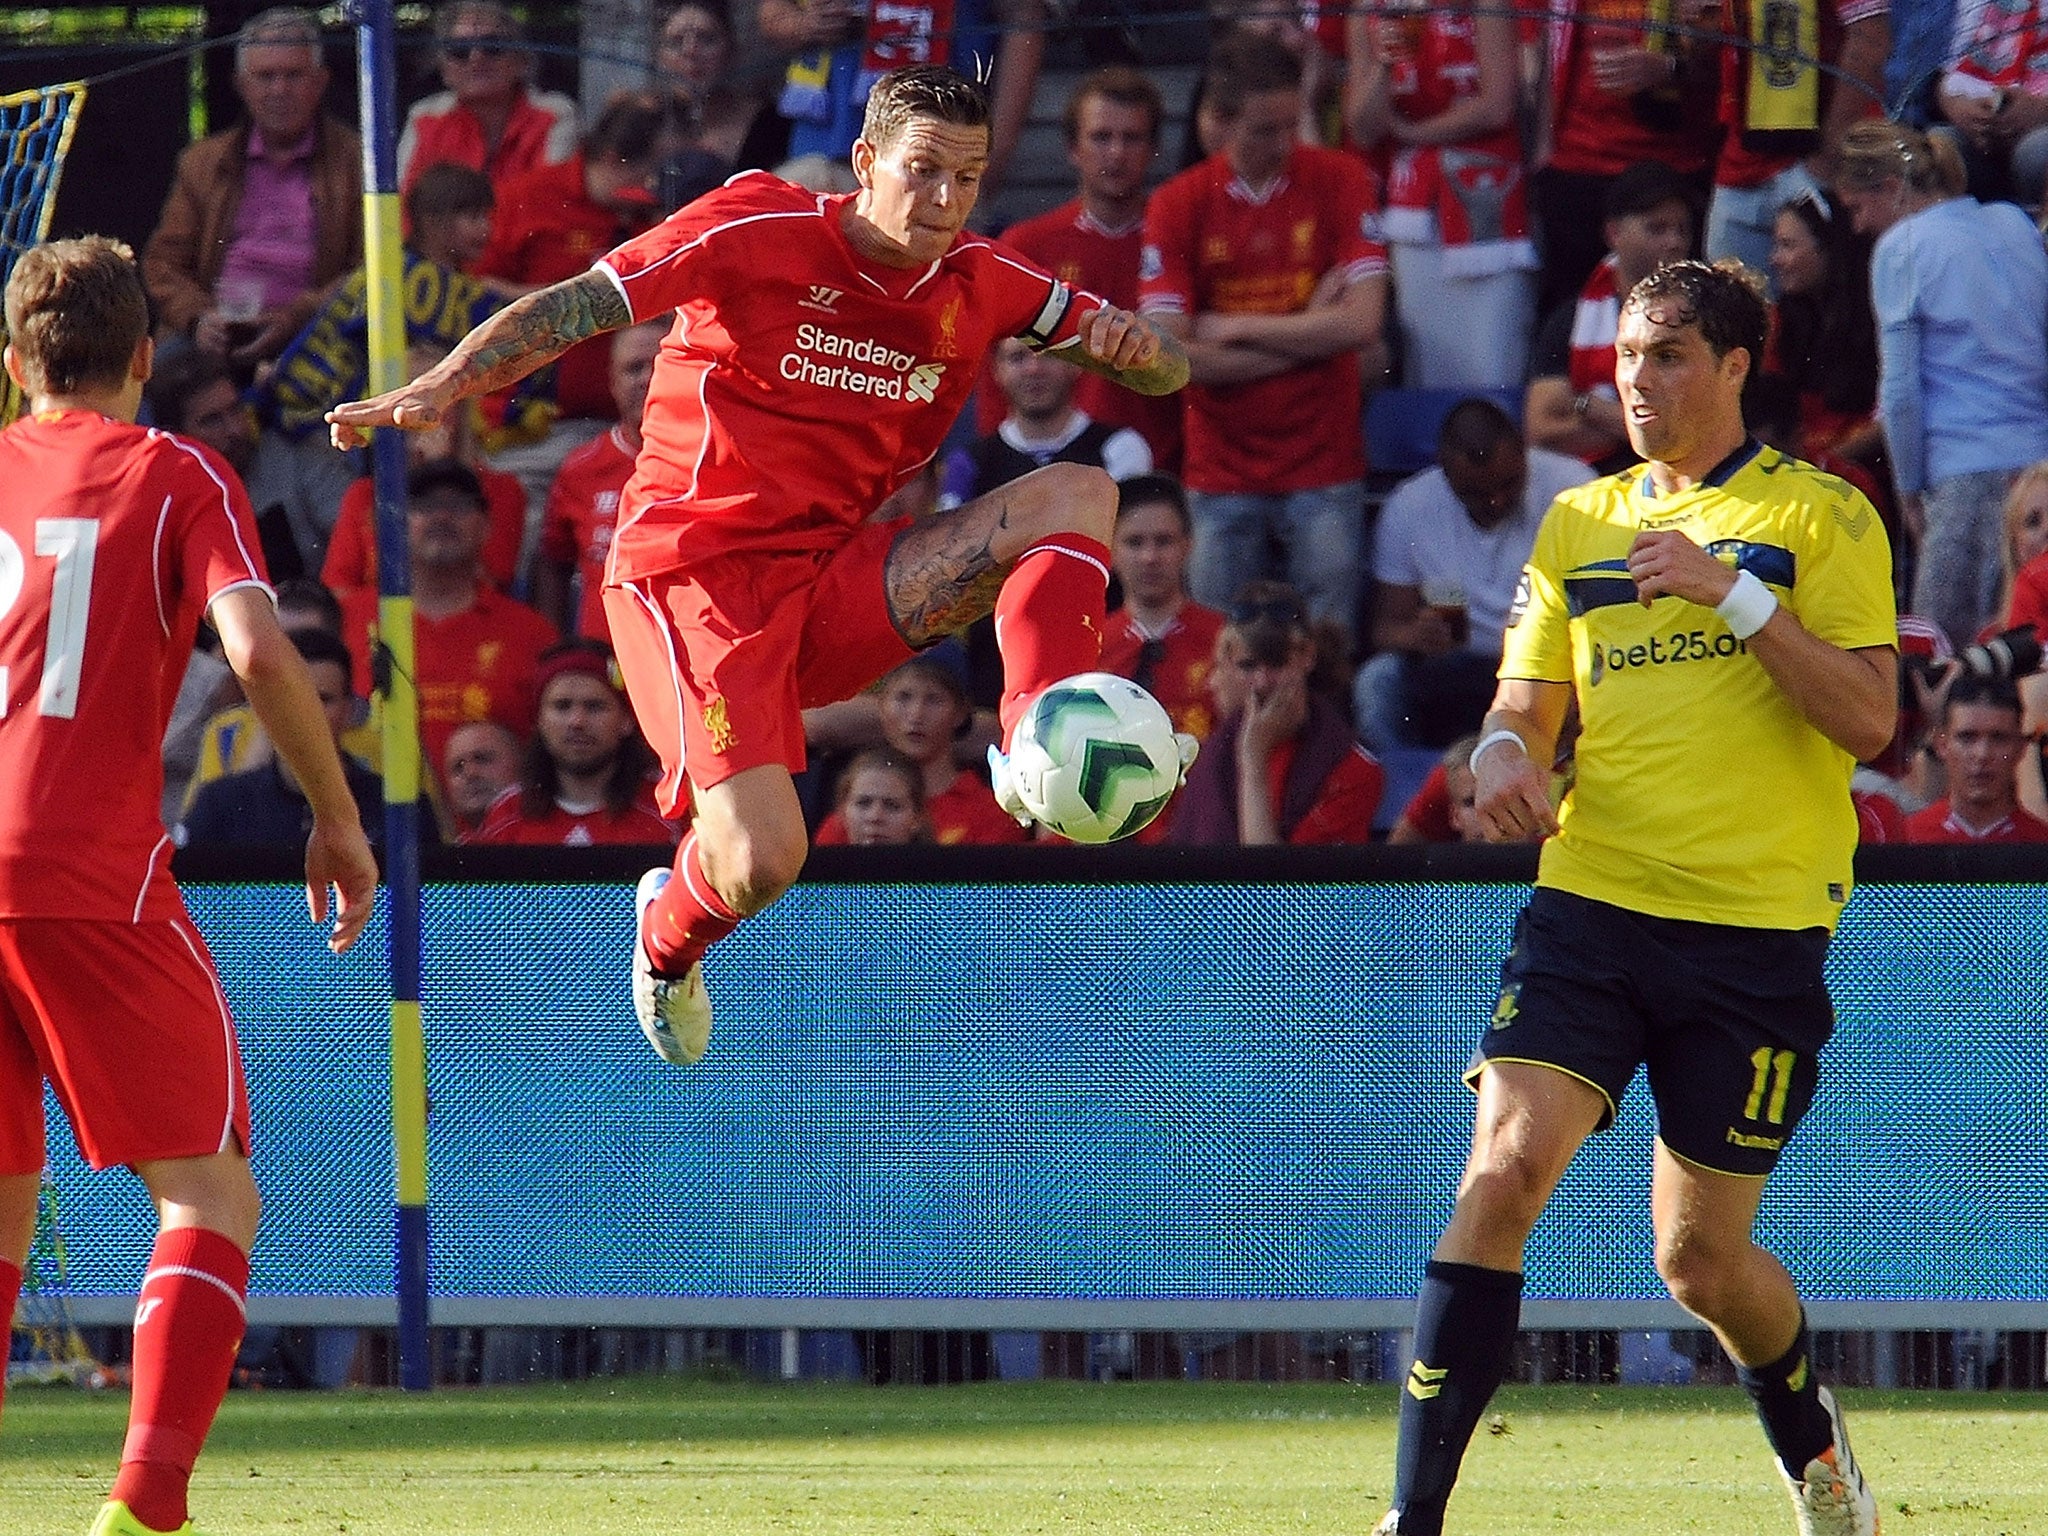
[1119,338]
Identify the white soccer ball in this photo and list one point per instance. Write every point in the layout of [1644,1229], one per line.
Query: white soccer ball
[1095,758]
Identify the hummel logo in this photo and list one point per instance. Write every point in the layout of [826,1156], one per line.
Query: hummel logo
[824,300]
[1425,1383]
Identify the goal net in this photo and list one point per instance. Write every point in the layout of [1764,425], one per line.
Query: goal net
[35,133]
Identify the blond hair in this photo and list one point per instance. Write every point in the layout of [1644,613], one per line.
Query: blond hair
[1879,150]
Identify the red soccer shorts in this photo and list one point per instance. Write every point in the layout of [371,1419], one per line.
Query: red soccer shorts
[128,1021]
[722,658]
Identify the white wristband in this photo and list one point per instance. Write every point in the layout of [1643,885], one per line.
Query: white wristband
[1494,739]
[1748,606]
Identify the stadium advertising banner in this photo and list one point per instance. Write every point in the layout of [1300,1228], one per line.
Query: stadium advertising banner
[1063,1102]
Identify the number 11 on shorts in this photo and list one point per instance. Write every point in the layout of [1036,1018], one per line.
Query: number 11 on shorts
[1773,1076]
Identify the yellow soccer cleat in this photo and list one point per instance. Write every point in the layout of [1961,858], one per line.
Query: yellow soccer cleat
[115,1519]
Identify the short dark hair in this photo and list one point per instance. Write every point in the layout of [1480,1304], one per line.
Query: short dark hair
[445,188]
[1121,84]
[318,645]
[314,596]
[1474,428]
[631,128]
[173,384]
[921,90]
[1976,688]
[1646,185]
[1154,490]
[76,311]
[1724,299]
[1245,64]
[437,474]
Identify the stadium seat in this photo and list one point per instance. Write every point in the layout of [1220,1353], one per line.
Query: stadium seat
[1401,425]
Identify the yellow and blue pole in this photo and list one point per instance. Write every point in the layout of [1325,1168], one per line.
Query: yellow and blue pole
[385,257]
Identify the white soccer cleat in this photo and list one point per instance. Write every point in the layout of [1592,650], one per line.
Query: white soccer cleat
[1390,1524]
[1189,750]
[1004,783]
[674,1012]
[1834,1500]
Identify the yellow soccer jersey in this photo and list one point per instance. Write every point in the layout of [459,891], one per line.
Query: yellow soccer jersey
[1701,792]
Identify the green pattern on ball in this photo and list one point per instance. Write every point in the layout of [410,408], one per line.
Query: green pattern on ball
[1068,716]
[1103,762]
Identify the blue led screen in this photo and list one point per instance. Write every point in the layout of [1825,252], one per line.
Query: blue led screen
[1139,1092]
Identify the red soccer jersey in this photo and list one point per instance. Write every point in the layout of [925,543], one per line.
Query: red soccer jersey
[1599,132]
[1937,824]
[582,515]
[545,229]
[507,823]
[1879,819]
[113,540]
[1212,246]
[1180,676]
[801,383]
[352,548]
[1429,809]
[1084,254]
[478,664]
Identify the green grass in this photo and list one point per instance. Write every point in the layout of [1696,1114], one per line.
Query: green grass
[683,1457]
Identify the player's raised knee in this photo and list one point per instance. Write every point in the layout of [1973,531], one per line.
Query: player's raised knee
[1706,1276]
[1071,498]
[751,868]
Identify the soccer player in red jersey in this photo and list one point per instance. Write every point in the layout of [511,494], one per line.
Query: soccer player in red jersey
[114,539]
[821,347]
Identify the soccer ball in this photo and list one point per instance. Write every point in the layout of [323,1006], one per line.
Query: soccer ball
[1095,758]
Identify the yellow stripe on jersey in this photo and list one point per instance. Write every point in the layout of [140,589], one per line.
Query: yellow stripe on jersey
[1701,792]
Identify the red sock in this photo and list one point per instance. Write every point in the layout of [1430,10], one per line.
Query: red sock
[10,1292]
[188,1325]
[688,916]
[1049,618]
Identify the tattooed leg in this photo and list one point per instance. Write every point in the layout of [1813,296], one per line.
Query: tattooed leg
[945,572]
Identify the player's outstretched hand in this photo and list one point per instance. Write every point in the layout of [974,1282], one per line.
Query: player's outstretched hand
[1512,796]
[411,407]
[1668,564]
[1119,338]
[340,857]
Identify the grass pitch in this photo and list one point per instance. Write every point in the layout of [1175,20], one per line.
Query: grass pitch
[681,1457]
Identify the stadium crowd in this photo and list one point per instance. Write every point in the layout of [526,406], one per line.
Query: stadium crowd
[1428,216]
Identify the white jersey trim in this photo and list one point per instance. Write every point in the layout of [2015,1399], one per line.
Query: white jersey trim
[227,1032]
[603,264]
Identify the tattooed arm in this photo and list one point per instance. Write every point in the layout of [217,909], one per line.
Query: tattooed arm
[524,336]
[1130,350]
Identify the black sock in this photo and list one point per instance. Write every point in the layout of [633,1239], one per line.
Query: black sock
[1465,1323]
[1787,1399]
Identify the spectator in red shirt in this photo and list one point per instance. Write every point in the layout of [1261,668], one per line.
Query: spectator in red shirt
[583,504]
[1979,745]
[489,118]
[925,711]
[1572,405]
[482,763]
[1823,331]
[553,223]
[1285,768]
[587,777]
[1112,124]
[1159,637]
[881,802]
[2026,543]
[351,561]
[1259,260]
[475,651]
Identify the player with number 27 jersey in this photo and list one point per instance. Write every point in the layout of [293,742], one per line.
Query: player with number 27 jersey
[125,534]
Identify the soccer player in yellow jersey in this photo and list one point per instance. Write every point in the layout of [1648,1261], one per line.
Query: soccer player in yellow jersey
[1723,616]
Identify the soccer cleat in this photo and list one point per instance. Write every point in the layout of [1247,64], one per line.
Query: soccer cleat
[1005,785]
[1834,1500]
[1189,749]
[1390,1524]
[114,1519]
[674,1011]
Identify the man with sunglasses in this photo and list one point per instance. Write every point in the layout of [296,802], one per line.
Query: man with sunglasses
[1722,619]
[490,118]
